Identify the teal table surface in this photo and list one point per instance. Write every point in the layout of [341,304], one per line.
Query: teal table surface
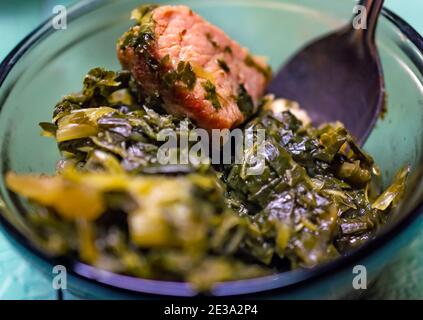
[401,279]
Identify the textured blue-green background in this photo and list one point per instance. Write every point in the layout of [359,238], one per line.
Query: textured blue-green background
[402,279]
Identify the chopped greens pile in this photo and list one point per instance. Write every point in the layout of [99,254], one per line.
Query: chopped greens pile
[113,205]
[316,198]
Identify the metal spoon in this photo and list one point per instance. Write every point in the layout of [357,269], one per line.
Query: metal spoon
[339,77]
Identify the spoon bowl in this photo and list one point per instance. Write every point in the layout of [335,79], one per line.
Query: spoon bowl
[339,76]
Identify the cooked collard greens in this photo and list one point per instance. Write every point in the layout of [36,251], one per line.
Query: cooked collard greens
[113,204]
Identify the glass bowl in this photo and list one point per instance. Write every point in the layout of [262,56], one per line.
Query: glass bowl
[50,63]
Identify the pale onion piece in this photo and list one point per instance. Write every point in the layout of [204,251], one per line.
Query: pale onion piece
[74,131]
[56,192]
[121,96]
[81,123]
[148,230]
[282,237]
[278,106]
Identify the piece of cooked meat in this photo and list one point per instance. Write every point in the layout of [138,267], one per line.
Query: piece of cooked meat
[195,67]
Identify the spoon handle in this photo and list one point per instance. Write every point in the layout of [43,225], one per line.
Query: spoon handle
[373,9]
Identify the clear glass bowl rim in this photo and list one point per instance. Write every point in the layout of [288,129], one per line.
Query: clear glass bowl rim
[278,283]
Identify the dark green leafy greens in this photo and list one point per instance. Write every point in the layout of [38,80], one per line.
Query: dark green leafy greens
[183,73]
[228,49]
[211,94]
[223,65]
[266,71]
[112,204]
[212,42]
[141,36]
[245,102]
[314,199]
